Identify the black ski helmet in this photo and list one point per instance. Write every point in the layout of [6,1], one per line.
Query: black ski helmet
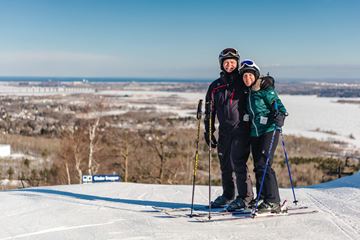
[249,66]
[229,53]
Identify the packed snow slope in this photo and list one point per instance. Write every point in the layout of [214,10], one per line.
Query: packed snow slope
[125,211]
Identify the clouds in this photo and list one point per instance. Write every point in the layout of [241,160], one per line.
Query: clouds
[54,63]
[66,63]
[61,63]
[314,71]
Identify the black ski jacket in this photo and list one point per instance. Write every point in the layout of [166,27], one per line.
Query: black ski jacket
[228,95]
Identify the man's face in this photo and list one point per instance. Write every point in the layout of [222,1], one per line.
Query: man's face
[229,65]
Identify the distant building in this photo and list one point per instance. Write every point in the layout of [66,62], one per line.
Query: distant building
[5,150]
[50,83]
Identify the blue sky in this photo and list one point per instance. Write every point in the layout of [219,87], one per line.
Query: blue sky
[178,39]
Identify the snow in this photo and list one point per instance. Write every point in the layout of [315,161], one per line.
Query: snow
[308,113]
[124,211]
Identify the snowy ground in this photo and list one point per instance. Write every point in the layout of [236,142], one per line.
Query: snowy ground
[124,211]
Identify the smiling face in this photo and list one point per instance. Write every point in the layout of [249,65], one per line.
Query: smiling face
[229,65]
[248,78]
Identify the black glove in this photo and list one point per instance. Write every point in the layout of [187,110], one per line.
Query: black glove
[266,82]
[213,140]
[279,119]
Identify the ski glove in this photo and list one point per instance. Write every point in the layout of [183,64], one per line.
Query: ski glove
[266,82]
[279,119]
[213,140]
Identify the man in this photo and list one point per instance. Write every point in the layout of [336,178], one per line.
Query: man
[226,99]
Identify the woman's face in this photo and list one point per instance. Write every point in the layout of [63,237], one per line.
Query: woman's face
[229,65]
[248,78]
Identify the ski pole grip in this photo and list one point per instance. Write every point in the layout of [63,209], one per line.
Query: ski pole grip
[199,112]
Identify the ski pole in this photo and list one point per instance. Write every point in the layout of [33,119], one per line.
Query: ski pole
[263,177]
[266,164]
[286,156]
[210,134]
[196,160]
[288,166]
[210,122]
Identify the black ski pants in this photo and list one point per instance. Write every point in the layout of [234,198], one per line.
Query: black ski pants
[260,149]
[233,152]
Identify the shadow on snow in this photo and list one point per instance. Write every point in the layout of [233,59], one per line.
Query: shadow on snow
[108,199]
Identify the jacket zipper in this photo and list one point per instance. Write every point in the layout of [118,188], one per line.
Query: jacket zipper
[253,118]
[231,100]
[232,97]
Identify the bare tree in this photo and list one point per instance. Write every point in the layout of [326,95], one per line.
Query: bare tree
[93,166]
[125,155]
[158,143]
[78,158]
[73,149]
[123,144]
[68,176]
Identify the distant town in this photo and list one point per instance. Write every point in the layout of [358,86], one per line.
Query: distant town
[332,88]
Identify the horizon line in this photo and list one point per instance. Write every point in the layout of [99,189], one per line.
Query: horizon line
[2,77]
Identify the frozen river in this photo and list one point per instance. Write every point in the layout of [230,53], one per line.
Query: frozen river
[308,113]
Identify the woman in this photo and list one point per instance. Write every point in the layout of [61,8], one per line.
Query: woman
[267,114]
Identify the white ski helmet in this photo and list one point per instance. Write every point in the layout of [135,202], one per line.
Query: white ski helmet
[249,65]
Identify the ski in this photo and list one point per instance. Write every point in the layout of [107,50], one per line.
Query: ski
[186,212]
[179,214]
[165,209]
[204,208]
[250,216]
[201,212]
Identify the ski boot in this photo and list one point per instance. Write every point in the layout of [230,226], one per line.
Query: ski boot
[220,202]
[269,207]
[252,203]
[237,204]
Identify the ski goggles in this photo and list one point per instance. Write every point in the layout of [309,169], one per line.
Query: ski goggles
[229,52]
[248,63]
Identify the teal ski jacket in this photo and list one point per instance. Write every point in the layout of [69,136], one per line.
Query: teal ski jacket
[260,110]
